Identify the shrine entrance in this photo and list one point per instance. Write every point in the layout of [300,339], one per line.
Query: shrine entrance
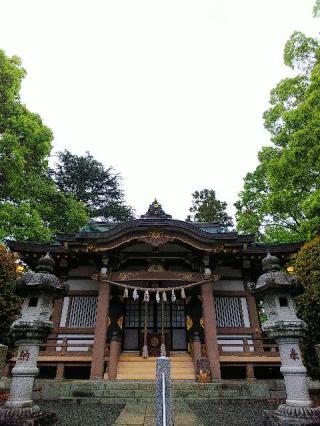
[173,316]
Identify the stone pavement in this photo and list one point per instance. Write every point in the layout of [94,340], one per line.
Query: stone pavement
[143,415]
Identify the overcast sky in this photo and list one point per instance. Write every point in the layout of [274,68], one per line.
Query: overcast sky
[169,92]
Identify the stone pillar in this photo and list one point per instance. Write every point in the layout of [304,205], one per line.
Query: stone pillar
[3,354]
[276,289]
[100,336]
[163,392]
[114,356]
[25,370]
[210,329]
[29,331]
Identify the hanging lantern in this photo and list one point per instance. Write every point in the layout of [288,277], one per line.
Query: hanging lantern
[164,296]
[158,297]
[183,293]
[126,293]
[135,294]
[173,296]
[146,297]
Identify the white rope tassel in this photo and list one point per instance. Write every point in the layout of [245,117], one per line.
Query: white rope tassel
[158,297]
[146,297]
[163,351]
[183,293]
[145,353]
[173,296]
[164,296]
[135,294]
[126,293]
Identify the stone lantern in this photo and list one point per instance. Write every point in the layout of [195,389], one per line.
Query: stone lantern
[39,289]
[276,290]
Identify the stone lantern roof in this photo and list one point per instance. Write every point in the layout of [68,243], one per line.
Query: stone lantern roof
[274,279]
[42,281]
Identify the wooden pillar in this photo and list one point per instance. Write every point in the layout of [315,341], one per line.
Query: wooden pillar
[60,371]
[114,356]
[196,351]
[100,336]
[210,329]
[250,371]
[252,308]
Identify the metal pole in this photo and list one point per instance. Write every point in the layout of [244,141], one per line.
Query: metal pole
[164,419]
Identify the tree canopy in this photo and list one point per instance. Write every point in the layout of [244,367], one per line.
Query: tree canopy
[87,180]
[9,303]
[31,206]
[207,208]
[280,200]
[307,267]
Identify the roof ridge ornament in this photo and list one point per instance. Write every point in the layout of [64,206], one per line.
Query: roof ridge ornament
[155,211]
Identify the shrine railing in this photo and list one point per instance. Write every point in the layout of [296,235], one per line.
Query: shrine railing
[245,346]
[69,345]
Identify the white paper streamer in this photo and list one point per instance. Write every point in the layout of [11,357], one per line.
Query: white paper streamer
[146,297]
[183,294]
[164,296]
[135,294]
[158,297]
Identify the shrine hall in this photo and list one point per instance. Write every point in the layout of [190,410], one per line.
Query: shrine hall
[156,286]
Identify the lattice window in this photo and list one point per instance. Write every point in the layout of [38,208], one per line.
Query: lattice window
[229,312]
[82,312]
[178,314]
[132,313]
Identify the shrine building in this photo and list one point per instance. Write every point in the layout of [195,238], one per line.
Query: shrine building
[156,286]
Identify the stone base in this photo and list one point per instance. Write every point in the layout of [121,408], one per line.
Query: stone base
[28,416]
[288,415]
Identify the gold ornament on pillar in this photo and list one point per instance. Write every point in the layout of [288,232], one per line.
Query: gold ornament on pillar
[120,322]
[202,322]
[108,322]
[189,323]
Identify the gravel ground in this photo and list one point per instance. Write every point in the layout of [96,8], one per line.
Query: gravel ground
[231,413]
[72,414]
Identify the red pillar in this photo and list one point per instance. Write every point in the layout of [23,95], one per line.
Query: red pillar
[100,336]
[196,351]
[210,329]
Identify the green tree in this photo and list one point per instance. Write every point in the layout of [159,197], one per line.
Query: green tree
[87,180]
[307,267]
[316,9]
[30,204]
[9,303]
[280,200]
[206,208]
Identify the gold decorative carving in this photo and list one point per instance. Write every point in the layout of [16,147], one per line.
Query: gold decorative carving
[189,323]
[154,341]
[156,238]
[156,267]
[202,322]
[186,276]
[108,322]
[120,322]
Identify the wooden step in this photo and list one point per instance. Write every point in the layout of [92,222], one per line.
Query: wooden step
[131,366]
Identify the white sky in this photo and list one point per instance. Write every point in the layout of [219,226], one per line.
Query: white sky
[169,92]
